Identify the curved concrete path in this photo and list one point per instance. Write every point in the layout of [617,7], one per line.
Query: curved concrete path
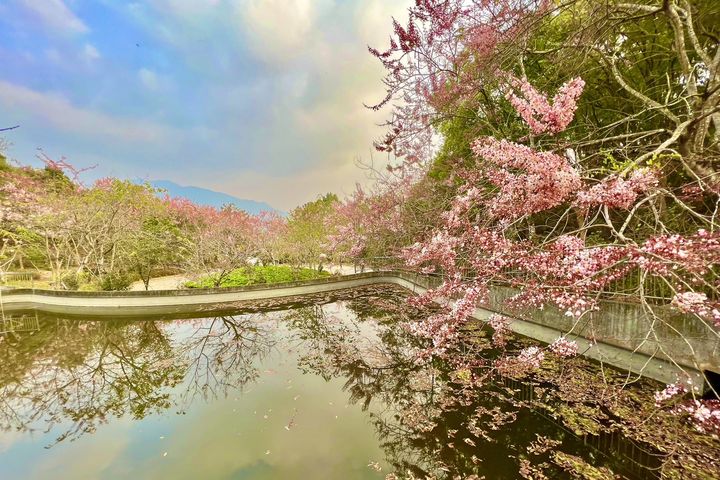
[143,303]
[148,303]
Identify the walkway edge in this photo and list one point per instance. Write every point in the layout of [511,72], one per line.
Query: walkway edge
[182,301]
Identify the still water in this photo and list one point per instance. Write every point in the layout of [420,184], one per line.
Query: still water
[319,391]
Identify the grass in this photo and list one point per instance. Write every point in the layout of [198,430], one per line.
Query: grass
[39,284]
[260,275]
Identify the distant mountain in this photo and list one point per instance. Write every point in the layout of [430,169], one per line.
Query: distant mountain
[211,198]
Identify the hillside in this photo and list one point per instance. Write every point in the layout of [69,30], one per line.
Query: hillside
[204,196]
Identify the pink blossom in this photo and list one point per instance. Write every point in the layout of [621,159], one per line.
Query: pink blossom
[669,392]
[534,107]
[500,325]
[616,192]
[564,348]
[531,356]
[704,415]
[697,303]
[545,180]
[666,254]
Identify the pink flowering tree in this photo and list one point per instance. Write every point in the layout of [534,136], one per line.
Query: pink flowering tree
[270,235]
[572,170]
[219,240]
[35,218]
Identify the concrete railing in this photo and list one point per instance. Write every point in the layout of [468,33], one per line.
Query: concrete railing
[17,276]
[139,303]
[618,335]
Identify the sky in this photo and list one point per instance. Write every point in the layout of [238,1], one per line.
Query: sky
[261,99]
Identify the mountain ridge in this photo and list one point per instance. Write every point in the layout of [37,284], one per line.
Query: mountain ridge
[212,198]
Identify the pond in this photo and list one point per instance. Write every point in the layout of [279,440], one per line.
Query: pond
[330,388]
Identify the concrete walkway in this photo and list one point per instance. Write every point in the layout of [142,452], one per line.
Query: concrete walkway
[170,282]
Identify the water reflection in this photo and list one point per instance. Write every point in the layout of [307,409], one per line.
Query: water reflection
[328,390]
[87,372]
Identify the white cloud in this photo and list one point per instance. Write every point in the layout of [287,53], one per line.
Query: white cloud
[373,20]
[89,53]
[278,84]
[279,30]
[286,192]
[55,15]
[148,79]
[185,8]
[30,106]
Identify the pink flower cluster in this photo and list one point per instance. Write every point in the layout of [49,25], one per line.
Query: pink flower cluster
[547,179]
[697,192]
[664,254]
[527,360]
[440,249]
[574,305]
[441,329]
[616,192]
[669,392]
[24,200]
[461,204]
[564,348]
[534,107]
[104,183]
[531,356]
[704,414]
[465,307]
[697,303]
[501,330]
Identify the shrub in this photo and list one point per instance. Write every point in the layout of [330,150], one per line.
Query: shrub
[258,275]
[115,281]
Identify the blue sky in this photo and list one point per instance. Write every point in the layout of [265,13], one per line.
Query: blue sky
[261,99]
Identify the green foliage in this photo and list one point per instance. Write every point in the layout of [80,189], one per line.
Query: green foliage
[4,165]
[31,246]
[74,280]
[158,244]
[115,281]
[307,230]
[268,274]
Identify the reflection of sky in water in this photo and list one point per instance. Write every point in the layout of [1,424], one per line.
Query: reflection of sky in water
[280,395]
[286,424]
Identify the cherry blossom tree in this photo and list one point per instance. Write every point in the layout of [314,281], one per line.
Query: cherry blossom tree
[578,152]
[220,240]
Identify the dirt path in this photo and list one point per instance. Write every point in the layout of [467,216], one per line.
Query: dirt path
[170,282]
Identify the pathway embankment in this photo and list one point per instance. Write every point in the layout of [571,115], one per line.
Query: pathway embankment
[618,335]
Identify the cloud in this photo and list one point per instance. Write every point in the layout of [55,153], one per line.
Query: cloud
[280,30]
[89,53]
[57,112]
[91,461]
[55,15]
[185,8]
[288,191]
[148,79]
[372,20]
[270,88]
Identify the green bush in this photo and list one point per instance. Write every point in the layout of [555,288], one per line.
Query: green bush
[259,275]
[115,281]
[74,280]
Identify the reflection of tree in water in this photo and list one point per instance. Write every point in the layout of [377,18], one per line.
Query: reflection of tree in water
[441,419]
[82,374]
[462,420]
[223,353]
[85,373]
